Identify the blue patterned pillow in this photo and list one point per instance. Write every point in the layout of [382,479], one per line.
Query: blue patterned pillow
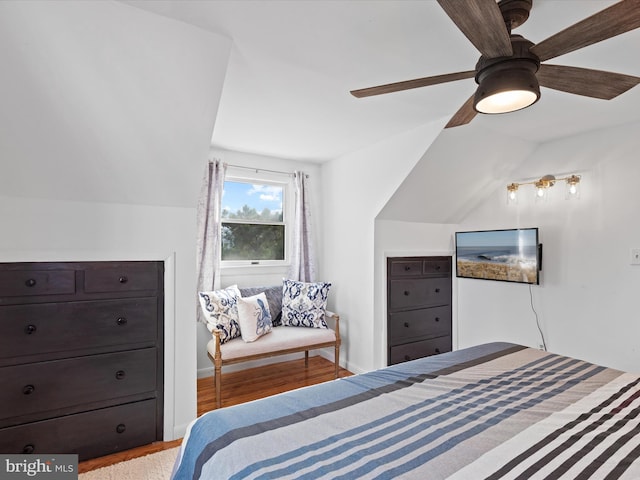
[254,317]
[220,309]
[304,304]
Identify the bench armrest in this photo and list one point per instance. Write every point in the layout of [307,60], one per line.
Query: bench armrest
[216,335]
[336,318]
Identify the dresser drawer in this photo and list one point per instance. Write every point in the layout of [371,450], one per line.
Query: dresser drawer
[68,384]
[121,277]
[421,292]
[431,267]
[405,268]
[18,283]
[90,434]
[424,348]
[434,321]
[50,327]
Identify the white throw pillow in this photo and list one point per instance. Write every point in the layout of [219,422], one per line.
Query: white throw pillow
[221,311]
[254,317]
[304,304]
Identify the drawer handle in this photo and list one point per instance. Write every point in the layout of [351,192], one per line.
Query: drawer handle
[121,321]
[406,293]
[437,350]
[29,449]
[407,268]
[28,389]
[437,319]
[29,329]
[123,279]
[406,324]
[437,267]
[120,374]
[121,428]
[31,282]
[437,290]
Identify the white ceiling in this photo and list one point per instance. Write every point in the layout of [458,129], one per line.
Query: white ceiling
[286,91]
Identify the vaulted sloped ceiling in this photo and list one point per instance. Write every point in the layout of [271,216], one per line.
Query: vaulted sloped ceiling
[104,102]
[455,173]
[461,169]
[294,62]
[119,101]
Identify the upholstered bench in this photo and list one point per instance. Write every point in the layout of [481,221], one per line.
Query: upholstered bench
[281,340]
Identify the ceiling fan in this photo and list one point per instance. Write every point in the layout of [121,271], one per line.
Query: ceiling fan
[510,70]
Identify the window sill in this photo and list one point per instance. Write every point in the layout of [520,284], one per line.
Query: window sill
[248,269]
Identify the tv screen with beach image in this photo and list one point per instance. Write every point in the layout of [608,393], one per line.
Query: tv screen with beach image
[504,255]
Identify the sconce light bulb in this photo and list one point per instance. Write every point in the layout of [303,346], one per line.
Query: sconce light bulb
[512,193]
[540,192]
[573,186]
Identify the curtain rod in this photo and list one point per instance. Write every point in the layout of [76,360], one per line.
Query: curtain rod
[290,174]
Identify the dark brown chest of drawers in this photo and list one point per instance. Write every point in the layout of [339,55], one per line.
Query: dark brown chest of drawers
[81,356]
[418,307]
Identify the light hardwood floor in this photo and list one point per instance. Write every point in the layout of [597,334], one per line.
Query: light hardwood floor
[238,387]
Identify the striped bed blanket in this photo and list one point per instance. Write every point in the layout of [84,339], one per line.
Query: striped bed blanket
[495,411]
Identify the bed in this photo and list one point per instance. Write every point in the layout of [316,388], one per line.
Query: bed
[494,411]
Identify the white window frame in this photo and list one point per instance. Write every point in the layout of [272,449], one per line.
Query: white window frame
[283,180]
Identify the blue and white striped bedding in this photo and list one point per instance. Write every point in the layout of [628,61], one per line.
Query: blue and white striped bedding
[496,411]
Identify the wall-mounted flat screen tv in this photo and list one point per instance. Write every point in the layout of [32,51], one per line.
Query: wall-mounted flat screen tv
[505,255]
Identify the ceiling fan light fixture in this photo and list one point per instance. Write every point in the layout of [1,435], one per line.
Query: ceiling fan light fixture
[507,101]
[506,70]
[506,90]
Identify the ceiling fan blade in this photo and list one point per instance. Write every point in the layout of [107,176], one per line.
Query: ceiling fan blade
[464,115]
[619,18]
[585,81]
[482,23]
[409,84]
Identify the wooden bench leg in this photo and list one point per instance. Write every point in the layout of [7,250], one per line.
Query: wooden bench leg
[306,359]
[337,360]
[218,381]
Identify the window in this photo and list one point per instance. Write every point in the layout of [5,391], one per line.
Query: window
[254,228]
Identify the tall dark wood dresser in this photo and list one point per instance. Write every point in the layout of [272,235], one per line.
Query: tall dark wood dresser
[81,356]
[418,307]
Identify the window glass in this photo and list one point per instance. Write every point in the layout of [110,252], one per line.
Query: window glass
[253,227]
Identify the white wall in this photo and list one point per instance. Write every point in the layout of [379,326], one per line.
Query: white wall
[402,239]
[587,299]
[355,188]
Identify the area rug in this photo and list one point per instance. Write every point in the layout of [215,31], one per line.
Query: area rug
[156,466]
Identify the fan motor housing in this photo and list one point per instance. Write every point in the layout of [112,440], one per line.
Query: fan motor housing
[522,58]
[521,54]
[516,72]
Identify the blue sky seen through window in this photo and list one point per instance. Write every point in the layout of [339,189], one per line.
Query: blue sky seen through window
[257,197]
